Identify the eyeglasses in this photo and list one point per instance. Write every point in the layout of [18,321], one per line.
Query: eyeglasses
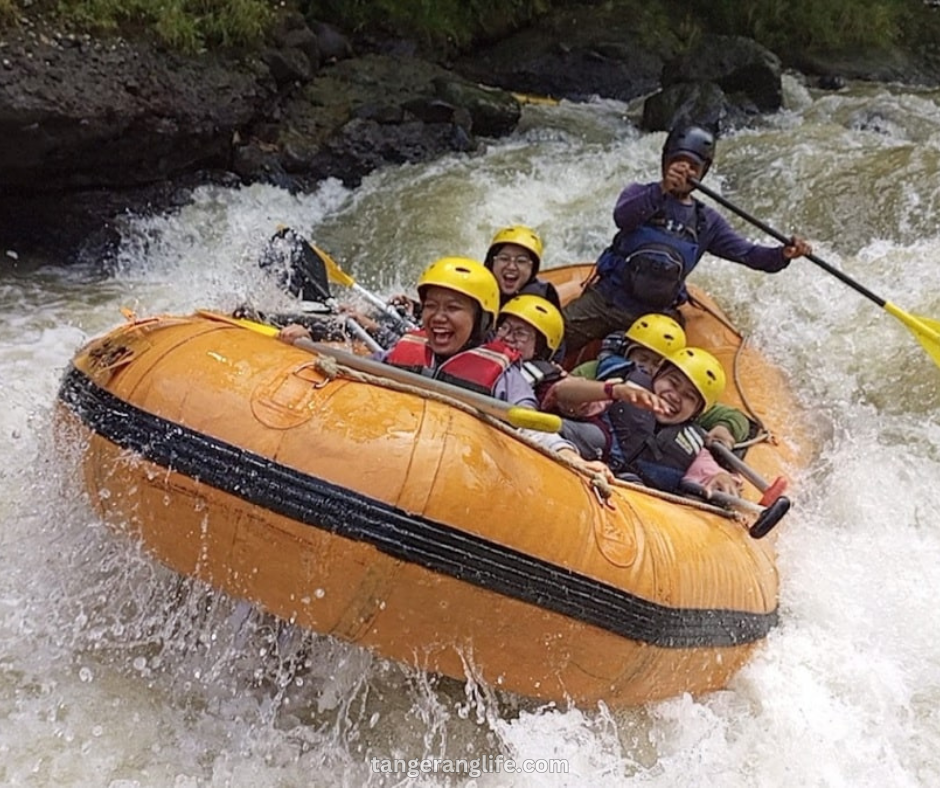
[520,260]
[517,332]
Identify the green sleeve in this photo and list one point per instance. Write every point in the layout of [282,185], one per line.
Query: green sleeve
[586,370]
[732,418]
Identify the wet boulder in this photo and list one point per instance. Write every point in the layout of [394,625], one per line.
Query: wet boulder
[738,65]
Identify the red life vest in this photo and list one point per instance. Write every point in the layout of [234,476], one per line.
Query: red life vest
[476,369]
[411,352]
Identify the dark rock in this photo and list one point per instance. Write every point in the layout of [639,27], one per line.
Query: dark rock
[493,112]
[736,65]
[362,146]
[431,110]
[701,103]
[288,66]
[332,44]
[305,40]
[256,161]
[287,23]
[102,118]
[86,225]
[830,82]
[362,114]
[873,65]
[381,113]
[396,47]
[575,53]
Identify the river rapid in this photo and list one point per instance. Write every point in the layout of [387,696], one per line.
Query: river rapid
[115,672]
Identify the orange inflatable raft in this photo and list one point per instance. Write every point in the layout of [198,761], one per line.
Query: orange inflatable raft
[417,528]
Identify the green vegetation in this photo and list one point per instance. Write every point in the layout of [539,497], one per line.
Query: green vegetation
[809,25]
[184,25]
[445,23]
[781,25]
[442,27]
[8,12]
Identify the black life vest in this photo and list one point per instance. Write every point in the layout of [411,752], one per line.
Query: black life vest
[647,267]
[540,374]
[659,454]
[540,288]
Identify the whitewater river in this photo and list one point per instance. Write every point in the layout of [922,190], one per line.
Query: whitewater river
[114,672]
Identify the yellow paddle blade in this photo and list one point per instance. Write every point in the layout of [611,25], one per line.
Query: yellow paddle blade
[335,273]
[528,419]
[531,98]
[261,328]
[924,329]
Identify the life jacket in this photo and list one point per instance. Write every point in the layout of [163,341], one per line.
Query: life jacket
[646,268]
[659,454]
[543,289]
[476,369]
[412,353]
[539,373]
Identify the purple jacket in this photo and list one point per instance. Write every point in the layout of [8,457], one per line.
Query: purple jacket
[639,202]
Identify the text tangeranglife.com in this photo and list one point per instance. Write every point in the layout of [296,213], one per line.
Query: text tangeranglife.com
[471,767]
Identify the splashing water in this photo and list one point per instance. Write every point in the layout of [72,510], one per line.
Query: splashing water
[117,672]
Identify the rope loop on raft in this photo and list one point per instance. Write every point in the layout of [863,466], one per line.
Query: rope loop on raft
[602,487]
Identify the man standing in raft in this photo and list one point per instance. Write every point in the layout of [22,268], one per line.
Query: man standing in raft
[662,234]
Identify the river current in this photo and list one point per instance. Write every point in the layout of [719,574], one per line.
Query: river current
[115,672]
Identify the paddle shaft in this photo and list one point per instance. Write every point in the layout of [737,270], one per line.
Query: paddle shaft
[767,516]
[388,310]
[343,278]
[721,498]
[739,465]
[365,336]
[786,241]
[517,416]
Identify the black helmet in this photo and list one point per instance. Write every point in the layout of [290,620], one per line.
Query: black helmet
[692,141]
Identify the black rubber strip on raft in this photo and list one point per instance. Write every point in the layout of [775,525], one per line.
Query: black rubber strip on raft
[433,545]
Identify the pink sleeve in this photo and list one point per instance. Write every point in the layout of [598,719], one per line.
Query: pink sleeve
[703,467]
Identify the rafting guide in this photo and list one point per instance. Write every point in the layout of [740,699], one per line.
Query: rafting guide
[662,233]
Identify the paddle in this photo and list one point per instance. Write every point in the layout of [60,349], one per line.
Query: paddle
[339,276]
[767,517]
[771,491]
[523,418]
[307,278]
[303,274]
[925,330]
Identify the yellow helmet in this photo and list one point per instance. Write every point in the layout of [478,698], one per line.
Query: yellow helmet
[657,332]
[520,235]
[539,313]
[466,276]
[703,370]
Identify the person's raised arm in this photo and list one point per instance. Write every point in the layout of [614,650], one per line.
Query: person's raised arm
[637,203]
[573,390]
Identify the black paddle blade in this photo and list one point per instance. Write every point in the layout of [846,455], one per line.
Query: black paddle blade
[772,515]
[299,269]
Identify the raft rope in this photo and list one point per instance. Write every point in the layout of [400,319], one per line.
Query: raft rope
[602,487]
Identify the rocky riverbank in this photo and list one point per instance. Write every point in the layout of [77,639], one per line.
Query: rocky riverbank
[92,128]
